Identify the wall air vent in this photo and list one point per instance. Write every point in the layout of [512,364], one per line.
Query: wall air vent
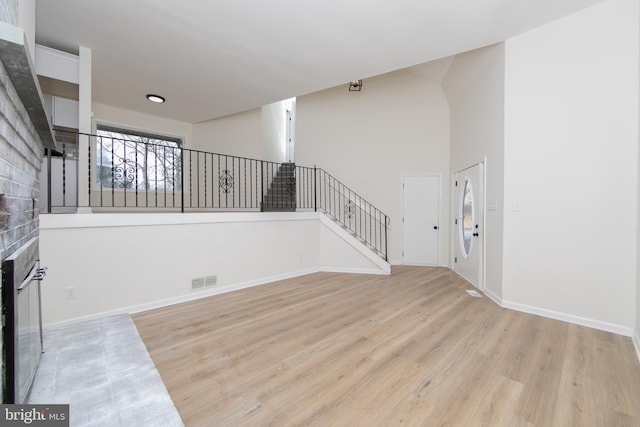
[210,281]
[197,283]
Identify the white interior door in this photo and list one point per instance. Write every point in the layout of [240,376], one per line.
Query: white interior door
[469,224]
[289,136]
[420,220]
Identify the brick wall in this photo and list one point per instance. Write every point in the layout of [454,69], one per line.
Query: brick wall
[21,154]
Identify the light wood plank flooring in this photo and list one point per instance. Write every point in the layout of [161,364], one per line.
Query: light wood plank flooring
[412,348]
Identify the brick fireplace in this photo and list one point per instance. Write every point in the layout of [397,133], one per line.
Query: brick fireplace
[24,133]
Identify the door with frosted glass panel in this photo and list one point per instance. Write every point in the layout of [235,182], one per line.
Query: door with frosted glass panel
[469,224]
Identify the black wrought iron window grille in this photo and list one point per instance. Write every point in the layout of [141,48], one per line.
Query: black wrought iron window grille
[127,159]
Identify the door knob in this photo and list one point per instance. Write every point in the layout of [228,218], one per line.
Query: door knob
[435,227]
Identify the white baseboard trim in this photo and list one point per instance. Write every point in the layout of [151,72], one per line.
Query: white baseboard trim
[354,270]
[569,318]
[636,342]
[191,296]
[196,295]
[492,296]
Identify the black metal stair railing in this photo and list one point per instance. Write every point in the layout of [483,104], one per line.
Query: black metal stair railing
[345,207]
[125,175]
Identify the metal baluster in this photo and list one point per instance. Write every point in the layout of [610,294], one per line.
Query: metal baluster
[101,176]
[307,187]
[381,231]
[89,167]
[362,207]
[315,197]
[331,195]
[155,175]
[340,204]
[146,175]
[136,175]
[233,176]
[164,173]
[345,197]
[336,195]
[226,193]
[261,185]
[197,179]
[64,174]
[368,225]
[190,179]
[174,171]
[377,229]
[182,180]
[124,171]
[386,241]
[113,174]
[311,188]
[325,206]
[47,152]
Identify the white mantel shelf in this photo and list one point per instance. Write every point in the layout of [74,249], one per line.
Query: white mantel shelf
[15,57]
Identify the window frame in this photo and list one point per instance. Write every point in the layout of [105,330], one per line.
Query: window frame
[125,131]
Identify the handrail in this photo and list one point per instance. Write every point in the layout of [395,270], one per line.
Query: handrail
[353,212]
[137,174]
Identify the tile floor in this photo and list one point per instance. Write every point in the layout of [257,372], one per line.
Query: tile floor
[103,370]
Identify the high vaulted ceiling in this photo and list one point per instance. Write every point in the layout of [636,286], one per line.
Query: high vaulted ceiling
[214,58]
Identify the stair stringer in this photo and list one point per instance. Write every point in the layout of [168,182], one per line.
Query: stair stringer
[356,243]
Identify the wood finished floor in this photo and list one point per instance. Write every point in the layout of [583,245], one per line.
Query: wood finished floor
[412,348]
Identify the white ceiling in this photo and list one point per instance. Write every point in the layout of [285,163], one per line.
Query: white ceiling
[214,58]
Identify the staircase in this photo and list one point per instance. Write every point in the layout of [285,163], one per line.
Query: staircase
[194,181]
[281,194]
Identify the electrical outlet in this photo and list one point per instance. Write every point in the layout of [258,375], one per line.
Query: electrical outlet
[70,294]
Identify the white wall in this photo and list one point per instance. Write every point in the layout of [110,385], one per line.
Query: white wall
[57,64]
[474,85]
[274,130]
[398,124]
[238,135]
[636,336]
[571,162]
[107,114]
[115,263]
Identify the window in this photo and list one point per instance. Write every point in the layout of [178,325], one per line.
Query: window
[137,160]
[467,217]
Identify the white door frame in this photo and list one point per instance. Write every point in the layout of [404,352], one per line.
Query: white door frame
[483,228]
[420,175]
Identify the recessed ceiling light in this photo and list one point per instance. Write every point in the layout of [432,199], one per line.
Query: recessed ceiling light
[155,98]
